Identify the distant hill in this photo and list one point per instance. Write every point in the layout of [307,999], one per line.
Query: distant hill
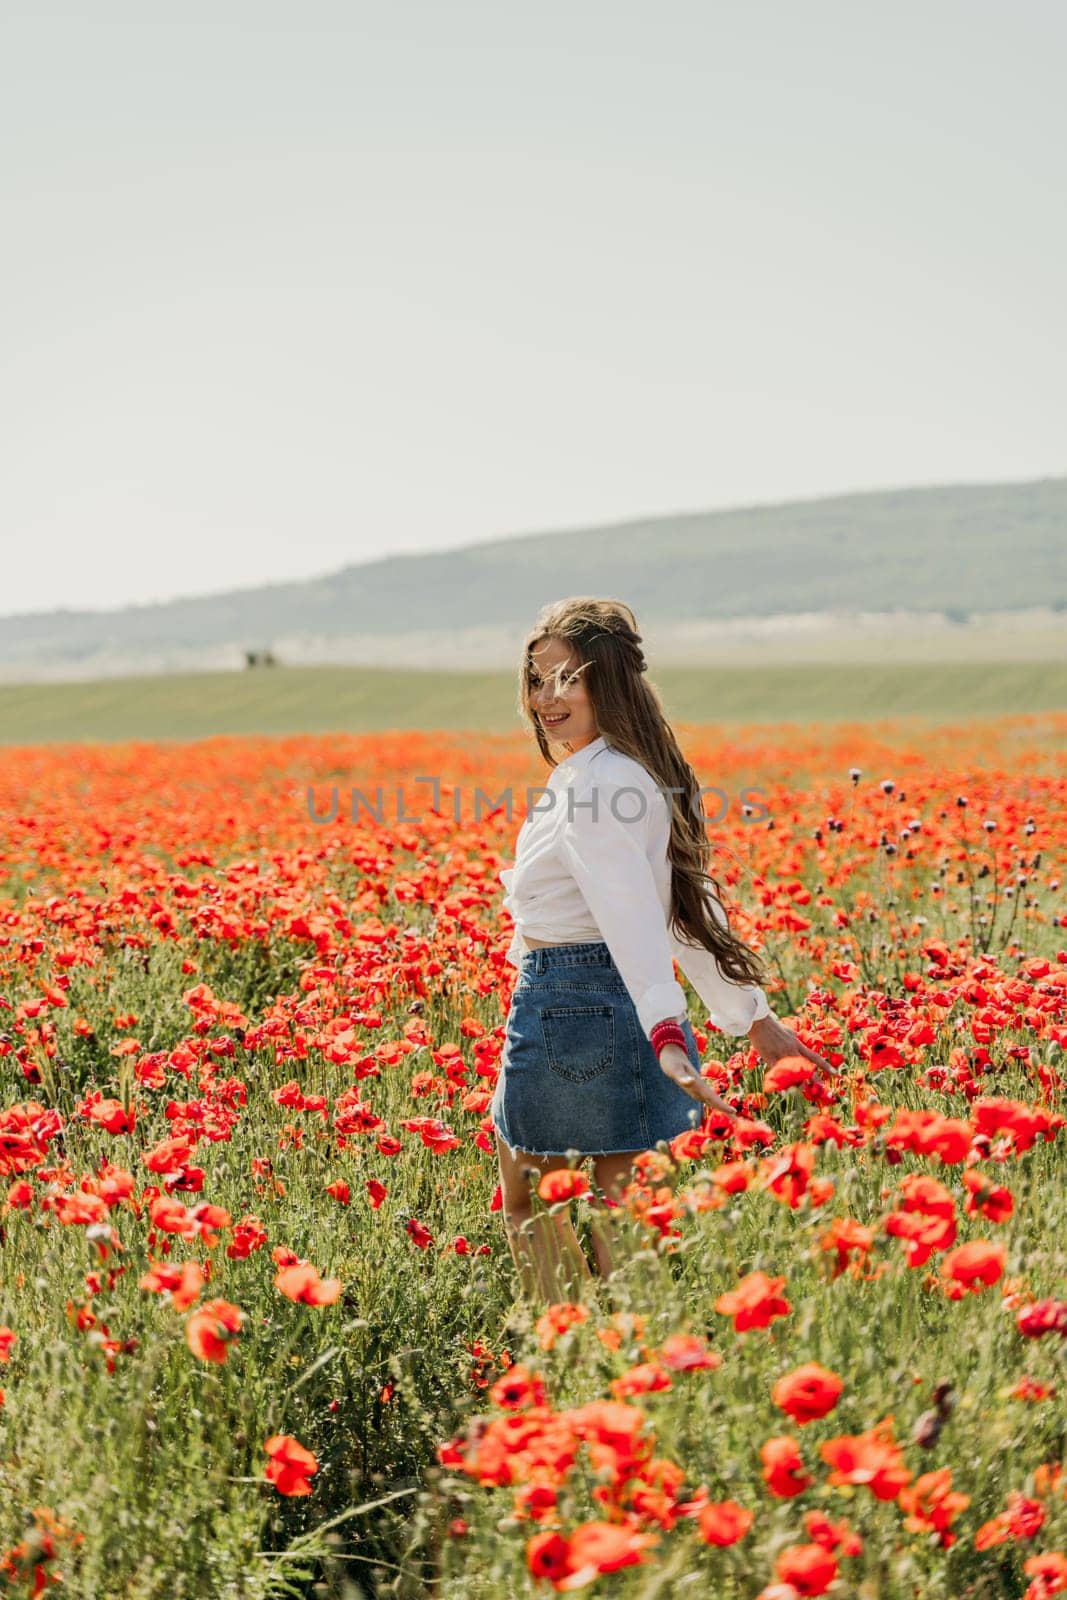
[957,549]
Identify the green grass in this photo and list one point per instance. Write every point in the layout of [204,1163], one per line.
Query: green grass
[159,1462]
[156,1457]
[362,699]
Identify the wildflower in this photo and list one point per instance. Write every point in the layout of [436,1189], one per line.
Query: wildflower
[683,1352]
[518,1389]
[301,1282]
[870,1458]
[212,1328]
[783,1467]
[924,1234]
[974,1266]
[644,1378]
[547,1556]
[787,1174]
[755,1302]
[1023,1519]
[248,1234]
[592,1548]
[1049,1572]
[566,1183]
[846,1237]
[613,1433]
[808,1392]
[927,1132]
[1028,1388]
[1013,1118]
[183,1283]
[107,1113]
[931,1504]
[1044,1316]
[987,1199]
[832,1535]
[290,1465]
[732,1177]
[921,1192]
[535,1502]
[724,1522]
[596,1547]
[170,1216]
[786,1073]
[809,1568]
[556,1319]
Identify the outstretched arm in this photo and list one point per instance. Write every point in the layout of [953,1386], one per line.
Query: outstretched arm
[732,1006]
[740,1007]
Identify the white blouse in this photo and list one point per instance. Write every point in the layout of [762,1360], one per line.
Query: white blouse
[591,863]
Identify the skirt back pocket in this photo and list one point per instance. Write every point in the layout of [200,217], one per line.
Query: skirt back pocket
[579,1040]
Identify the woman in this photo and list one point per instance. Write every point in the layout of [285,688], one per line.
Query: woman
[609,888]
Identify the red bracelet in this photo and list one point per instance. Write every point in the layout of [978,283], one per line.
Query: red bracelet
[667,1025]
[667,1032]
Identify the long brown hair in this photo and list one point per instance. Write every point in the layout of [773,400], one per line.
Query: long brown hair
[604,636]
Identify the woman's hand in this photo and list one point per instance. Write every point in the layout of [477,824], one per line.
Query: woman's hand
[774,1040]
[674,1062]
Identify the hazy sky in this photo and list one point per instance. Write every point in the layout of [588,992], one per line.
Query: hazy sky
[292,285]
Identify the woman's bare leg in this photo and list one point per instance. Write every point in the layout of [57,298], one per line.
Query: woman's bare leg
[546,1250]
[612,1173]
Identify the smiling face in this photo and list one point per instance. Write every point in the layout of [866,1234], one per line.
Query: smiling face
[560,702]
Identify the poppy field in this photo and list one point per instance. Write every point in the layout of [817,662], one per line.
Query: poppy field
[258,1333]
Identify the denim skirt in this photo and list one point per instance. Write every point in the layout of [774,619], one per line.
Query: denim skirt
[578,1073]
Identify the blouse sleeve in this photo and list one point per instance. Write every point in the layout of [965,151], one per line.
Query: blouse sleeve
[607,858]
[733,1007]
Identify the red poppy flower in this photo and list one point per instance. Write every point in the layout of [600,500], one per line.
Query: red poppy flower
[290,1465]
[1049,1573]
[518,1389]
[832,1535]
[975,1265]
[787,1174]
[921,1192]
[418,1234]
[755,1302]
[871,1459]
[786,1073]
[986,1198]
[924,1234]
[605,1547]
[809,1568]
[808,1392]
[846,1237]
[683,1352]
[1044,1316]
[592,1548]
[302,1283]
[783,1467]
[1023,1519]
[724,1522]
[211,1329]
[645,1378]
[732,1177]
[931,1504]
[566,1183]
[546,1556]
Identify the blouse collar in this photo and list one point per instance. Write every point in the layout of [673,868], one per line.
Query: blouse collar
[581,757]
